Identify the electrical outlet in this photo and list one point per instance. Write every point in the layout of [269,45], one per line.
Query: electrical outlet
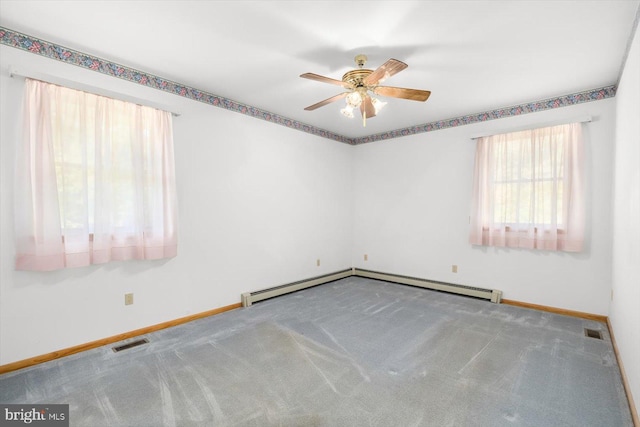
[318,262]
[128,299]
[454,268]
[366,257]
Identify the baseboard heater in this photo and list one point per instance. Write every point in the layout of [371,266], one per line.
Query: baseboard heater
[492,295]
[489,294]
[249,298]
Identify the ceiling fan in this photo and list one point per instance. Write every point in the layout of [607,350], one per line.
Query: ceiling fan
[361,82]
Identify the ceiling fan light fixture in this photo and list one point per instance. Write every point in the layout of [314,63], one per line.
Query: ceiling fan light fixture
[377,104]
[347,111]
[354,99]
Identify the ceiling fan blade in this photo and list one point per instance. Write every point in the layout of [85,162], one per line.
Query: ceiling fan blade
[399,92]
[366,106]
[383,72]
[326,101]
[319,78]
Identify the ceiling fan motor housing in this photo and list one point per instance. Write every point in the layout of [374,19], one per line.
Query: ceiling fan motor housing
[355,77]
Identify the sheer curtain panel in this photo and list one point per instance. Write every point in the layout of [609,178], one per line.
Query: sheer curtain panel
[95,181]
[528,190]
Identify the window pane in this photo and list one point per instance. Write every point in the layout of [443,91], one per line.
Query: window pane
[528,181]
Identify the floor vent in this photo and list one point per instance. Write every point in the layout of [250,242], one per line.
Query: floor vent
[592,333]
[130,345]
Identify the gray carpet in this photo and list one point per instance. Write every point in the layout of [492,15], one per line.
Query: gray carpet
[355,352]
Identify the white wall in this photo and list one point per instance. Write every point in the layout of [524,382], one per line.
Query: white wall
[625,306]
[258,204]
[412,204]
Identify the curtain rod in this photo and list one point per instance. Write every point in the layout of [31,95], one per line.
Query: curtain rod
[88,88]
[583,119]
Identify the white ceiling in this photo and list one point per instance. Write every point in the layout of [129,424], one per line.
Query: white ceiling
[473,56]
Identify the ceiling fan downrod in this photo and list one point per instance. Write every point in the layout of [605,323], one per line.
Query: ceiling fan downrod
[360,60]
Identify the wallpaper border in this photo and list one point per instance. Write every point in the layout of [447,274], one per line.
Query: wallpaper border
[500,113]
[60,53]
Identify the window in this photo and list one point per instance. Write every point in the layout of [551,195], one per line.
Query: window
[529,190]
[95,181]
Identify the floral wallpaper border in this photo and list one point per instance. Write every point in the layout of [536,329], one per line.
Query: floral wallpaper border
[59,53]
[53,51]
[531,107]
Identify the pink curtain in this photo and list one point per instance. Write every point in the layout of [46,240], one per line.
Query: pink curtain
[528,190]
[95,181]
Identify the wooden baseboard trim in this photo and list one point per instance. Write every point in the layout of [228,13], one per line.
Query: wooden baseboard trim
[580,314]
[625,383]
[110,340]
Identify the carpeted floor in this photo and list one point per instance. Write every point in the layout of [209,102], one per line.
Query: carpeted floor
[355,352]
